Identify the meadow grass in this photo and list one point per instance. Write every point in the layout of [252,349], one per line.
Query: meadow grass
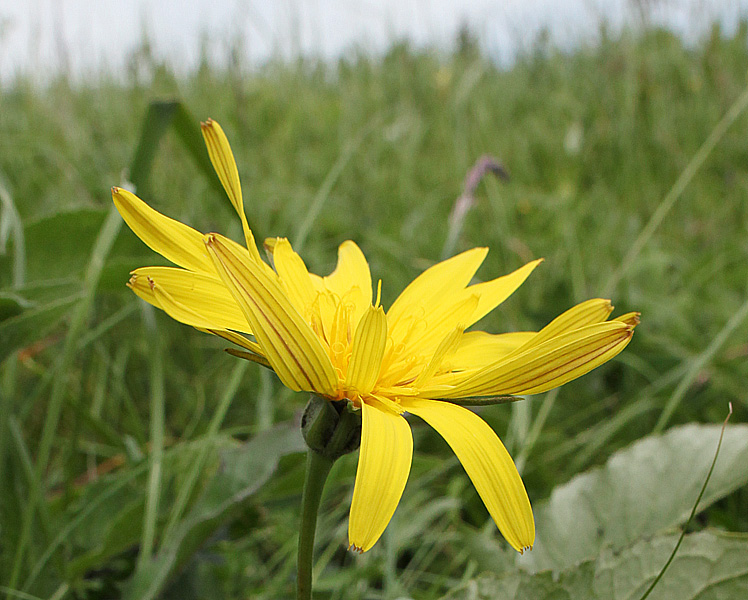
[374,150]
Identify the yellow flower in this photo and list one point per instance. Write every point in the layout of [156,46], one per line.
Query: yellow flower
[325,335]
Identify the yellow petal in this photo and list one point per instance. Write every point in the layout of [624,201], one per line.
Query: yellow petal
[631,318]
[494,292]
[367,351]
[436,284]
[478,348]
[383,468]
[585,313]
[206,296]
[223,161]
[420,336]
[294,275]
[175,309]
[487,463]
[289,344]
[352,271]
[143,290]
[239,340]
[445,348]
[551,364]
[173,240]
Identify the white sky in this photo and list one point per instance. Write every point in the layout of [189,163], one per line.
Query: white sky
[83,36]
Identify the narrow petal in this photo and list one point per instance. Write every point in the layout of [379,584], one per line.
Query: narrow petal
[223,161]
[478,349]
[176,310]
[494,292]
[239,340]
[438,283]
[291,347]
[206,296]
[488,465]
[445,348]
[352,271]
[367,351]
[383,467]
[420,335]
[173,240]
[631,318]
[294,275]
[546,366]
[586,313]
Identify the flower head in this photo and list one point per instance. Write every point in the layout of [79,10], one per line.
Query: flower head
[330,336]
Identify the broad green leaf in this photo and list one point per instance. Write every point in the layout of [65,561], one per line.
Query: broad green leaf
[709,565]
[244,470]
[606,506]
[161,115]
[59,245]
[30,325]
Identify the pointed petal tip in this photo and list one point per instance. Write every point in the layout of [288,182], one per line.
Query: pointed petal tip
[631,319]
[356,549]
[119,193]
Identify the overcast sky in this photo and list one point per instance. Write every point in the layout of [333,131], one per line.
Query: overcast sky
[84,36]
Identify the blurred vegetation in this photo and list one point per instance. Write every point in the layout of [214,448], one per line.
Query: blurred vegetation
[374,150]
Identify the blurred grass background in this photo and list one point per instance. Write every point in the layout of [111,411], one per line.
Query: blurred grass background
[374,150]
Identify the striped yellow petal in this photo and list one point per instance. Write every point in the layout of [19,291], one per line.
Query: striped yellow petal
[631,318]
[494,292]
[176,310]
[435,285]
[223,161]
[206,295]
[478,349]
[144,290]
[551,364]
[294,275]
[585,313]
[289,344]
[383,467]
[367,351]
[195,315]
[488,465]
[173,240]
[239,340]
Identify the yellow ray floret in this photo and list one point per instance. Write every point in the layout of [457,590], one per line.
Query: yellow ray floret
[488,465]
[223,161]
[289,343]
[173,240]
[383,468]
[206,302]
[367,352]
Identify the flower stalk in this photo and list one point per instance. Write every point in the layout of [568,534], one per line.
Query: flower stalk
[330,430]
[317,469]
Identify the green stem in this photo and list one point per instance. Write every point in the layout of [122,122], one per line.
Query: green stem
[317,469]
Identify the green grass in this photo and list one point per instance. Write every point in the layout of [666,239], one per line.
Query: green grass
[374,150]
